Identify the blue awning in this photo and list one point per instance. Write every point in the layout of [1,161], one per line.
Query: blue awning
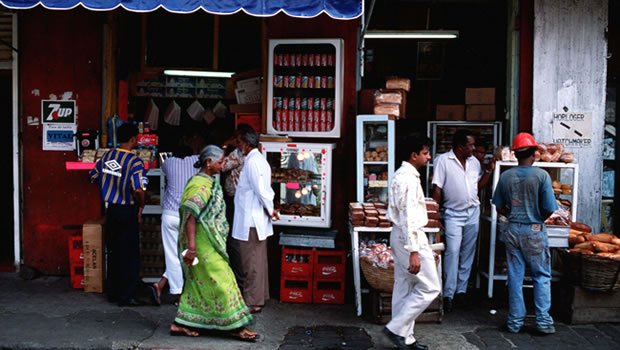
[339,9]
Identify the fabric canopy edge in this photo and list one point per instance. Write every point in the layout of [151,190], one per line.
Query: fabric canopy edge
[354,15]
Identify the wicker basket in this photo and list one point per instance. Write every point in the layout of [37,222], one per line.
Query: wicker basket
[591,271]
[379,278]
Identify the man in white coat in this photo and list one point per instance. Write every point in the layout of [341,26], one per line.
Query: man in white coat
[252,222]
[416,283]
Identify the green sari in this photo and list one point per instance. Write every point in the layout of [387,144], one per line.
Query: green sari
[211,298]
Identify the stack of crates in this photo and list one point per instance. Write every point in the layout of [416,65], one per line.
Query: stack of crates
[311,275]
[76,262]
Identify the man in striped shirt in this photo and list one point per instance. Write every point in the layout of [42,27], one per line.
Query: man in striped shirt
[121,179]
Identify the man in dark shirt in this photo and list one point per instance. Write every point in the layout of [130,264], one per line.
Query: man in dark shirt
[524,194]
[121,178]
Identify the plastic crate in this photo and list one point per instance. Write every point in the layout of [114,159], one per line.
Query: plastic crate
[295,290]
[329,264]
[328,292]
[76,252]
[77,275]
[297,263]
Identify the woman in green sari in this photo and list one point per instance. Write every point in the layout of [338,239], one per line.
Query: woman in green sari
[211,299]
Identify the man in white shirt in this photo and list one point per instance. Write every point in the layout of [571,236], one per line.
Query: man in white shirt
[457,176]
[252,222]
[416,283]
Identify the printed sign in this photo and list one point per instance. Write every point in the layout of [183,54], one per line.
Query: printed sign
[59,137]
[572,129]
[55,111]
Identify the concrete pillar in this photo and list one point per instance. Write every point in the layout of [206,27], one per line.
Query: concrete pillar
[570,73]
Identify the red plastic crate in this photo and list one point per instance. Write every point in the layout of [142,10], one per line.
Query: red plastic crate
[295,290]
[297,262]
[76,253]
[77,275]
[328,292]
[329,264]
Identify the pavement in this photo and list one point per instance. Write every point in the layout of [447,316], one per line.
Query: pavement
[45,313]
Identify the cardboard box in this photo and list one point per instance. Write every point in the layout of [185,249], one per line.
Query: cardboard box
[480,96]
[450,112]
[367,103]
[94,252]
[485,113]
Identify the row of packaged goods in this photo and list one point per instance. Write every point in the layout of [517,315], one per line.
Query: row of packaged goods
[300,81]
[311,275]
[146,151]
[303,113]
[374,214]
[304,59]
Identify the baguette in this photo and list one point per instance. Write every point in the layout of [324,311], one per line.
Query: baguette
[613,256]
[580,251]
[579,226]
[603,237]
[585,245]
[616,241]
[575,239]
[602,247]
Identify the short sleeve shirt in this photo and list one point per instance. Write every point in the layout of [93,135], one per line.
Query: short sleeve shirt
[459,185]
[527,192]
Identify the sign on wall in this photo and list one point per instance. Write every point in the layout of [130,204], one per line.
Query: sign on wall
[572,129]
[59,125]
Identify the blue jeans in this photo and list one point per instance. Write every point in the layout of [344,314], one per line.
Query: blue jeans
[528,244]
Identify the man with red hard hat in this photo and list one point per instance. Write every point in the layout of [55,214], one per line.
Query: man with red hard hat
[524,194]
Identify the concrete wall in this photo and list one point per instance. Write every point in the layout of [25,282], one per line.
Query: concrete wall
[570,70]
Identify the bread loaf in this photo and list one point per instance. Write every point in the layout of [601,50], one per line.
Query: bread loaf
[579,226]
[603,237]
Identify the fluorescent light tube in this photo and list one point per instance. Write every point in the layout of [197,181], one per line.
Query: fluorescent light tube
[197,73]
[411,34]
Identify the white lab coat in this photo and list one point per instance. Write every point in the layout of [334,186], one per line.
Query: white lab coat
[253,198]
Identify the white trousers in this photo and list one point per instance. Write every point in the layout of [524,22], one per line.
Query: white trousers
[412,294]
[169,237]
[461,236]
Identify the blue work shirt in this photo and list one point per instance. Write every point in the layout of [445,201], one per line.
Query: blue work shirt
[527,192]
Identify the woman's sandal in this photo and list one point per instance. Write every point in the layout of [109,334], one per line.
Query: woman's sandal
[243,334]
[256,309]
[176,330]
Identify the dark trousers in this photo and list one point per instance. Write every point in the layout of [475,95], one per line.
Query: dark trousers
[232,245]
[123,252]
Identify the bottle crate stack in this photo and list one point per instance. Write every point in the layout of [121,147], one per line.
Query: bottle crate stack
[151,247]
[76,262]
[311,275]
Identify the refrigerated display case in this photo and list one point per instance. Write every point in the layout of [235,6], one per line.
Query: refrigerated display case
[301,177]
[304,87]
[375,156]
[566,175]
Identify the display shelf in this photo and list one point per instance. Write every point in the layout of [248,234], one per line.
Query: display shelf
[557,235]
[304,87]
[301,176]
[374,139]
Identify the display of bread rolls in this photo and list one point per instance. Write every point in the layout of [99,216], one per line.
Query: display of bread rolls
[581,240]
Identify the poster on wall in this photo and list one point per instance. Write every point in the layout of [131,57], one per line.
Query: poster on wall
[59,137]
[58,111]
[572,129]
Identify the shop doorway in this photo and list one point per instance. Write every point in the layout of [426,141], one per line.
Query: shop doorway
[6,163]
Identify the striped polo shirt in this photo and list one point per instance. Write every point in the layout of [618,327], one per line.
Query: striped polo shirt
[118,173]
[178,171]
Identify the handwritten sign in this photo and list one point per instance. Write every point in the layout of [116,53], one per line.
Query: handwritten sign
[572,129]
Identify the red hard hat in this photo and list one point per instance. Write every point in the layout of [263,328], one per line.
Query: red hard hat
[523,140]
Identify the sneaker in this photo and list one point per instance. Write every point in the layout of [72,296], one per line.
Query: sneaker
[546,330]
[507,329]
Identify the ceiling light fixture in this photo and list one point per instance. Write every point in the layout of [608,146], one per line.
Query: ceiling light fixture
[411,34]
[196,73]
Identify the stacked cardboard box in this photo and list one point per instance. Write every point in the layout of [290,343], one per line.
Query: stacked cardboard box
[369,214]
[480,104]
[94,268]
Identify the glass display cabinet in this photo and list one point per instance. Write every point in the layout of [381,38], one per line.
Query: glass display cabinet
[375,157]
[566,176]
[304,87]
[301,176]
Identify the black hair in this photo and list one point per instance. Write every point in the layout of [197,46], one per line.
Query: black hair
[525,152]
[460,137]
[126,131]
[183,151]
[249,136]
[243,126]
[412,143]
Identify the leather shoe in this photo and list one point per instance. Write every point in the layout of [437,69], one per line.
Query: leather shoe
[396,339]
[131,302]
[418,346]
[447,304]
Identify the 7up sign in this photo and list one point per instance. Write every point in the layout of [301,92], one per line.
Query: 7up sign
[54,111]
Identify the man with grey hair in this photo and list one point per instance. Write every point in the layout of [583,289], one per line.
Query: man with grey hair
[252,224]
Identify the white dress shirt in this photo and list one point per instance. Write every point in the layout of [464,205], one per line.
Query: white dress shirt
[253,198]
[407,206]
[459,186]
